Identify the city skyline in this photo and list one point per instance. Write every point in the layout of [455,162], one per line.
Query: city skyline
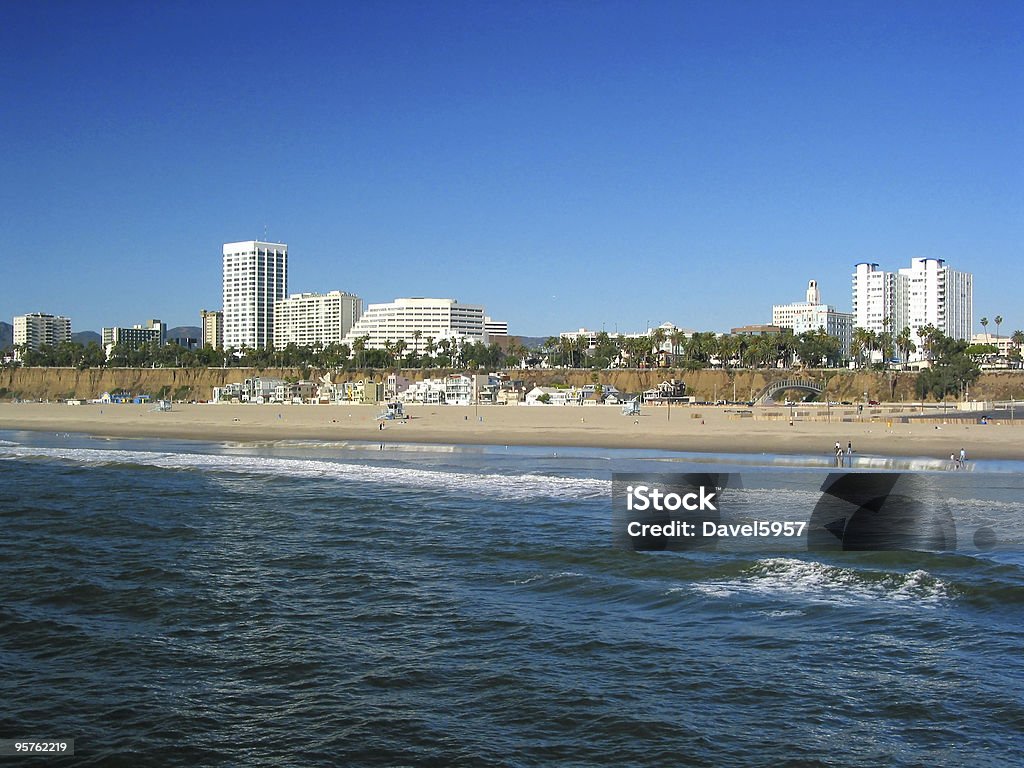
[611,165]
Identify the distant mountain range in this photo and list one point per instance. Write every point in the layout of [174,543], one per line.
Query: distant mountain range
[84,337]
[532,342]
[185,332]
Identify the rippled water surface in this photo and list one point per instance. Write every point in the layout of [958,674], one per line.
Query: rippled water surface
[168,603]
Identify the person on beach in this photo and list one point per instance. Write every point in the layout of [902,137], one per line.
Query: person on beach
[953,463]
[963,458]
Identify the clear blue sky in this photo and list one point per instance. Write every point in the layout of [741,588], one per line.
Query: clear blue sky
[565,164]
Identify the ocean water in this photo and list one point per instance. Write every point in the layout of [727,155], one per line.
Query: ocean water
[294,604]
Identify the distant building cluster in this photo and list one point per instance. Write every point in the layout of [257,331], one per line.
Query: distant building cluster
[258,312]
[812,315]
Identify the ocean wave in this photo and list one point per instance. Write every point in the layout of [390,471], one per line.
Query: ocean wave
[506,486]
[818,582]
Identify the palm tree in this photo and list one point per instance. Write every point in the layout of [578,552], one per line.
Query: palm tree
[905,344]
[359,348]
[677,337]
[984,324]
[1018,339]
[860,344]
[998,320]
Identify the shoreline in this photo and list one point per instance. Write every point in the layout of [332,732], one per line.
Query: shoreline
[685,429]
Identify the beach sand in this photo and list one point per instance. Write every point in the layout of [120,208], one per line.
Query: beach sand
[686,428]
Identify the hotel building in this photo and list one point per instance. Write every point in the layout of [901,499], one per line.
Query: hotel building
[308,319]
[153,332]
[37,328]
[255,278]
[811,314]
[417,320]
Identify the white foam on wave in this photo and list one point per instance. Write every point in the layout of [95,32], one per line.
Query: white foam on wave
[817,582]
[515,487]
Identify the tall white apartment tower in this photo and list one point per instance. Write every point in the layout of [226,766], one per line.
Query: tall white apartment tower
[927,293]
[879,299]
[255,276]
[941,296]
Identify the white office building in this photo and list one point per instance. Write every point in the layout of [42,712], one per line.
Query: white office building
[811,314]
[927,293]
[37,328]
[255,278]
[417,321]
[308,319]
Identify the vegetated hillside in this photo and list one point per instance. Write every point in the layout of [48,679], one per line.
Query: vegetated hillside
[185,332]
[198,383]
[86,337]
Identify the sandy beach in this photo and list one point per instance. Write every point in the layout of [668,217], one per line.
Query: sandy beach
[699,429]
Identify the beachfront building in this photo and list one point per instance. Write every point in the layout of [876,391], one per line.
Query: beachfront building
[255,278]
[258,389]
[929,292]
[417,322]
[38,328]
[213,328]
[138,336]
[395,384]
[812,315]
[554,396]
[310,319]
[427,391]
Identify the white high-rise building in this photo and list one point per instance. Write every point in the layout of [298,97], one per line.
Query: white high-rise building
[417,320]
[255,277]
[941,296]
[879,299]
[810,315]
[307,319]
[927,293]
[37,328]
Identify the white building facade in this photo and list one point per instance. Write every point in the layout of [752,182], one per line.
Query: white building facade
[929,292]
[415,321]
[37,328]
[810,315]
[308,319]
[255,278]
